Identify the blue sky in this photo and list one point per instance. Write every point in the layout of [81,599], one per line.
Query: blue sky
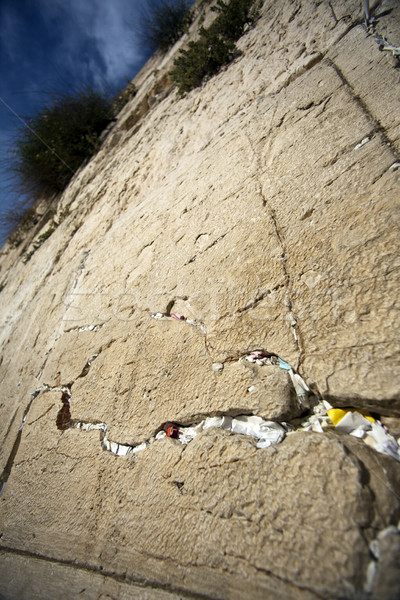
[58,44]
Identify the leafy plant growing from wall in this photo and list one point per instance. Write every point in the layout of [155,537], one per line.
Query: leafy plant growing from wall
[216,44]
[36,245]
[58,139]
[123,96]
[163,23]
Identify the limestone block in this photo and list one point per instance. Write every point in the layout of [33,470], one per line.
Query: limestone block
[32,578]
[387,578]
[220,507]
[393,425]
[158,371]
[264,391]
[371,73]
[313,265]
[262,206]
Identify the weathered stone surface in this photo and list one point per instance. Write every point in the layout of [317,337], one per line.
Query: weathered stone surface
[264,207]
[219,506]
[175,382]
[29,578]
[393,425]
[387,580]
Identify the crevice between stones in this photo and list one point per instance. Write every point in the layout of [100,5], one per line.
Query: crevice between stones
[259,299]
[63,418]
[288,283]
[377,126]
[221,237]
[10,462]
[261,429]
[143,582]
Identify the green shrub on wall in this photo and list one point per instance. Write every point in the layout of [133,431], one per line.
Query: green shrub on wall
[201,59]
[163,23]
[216,44]
[123,96]
[59,138]
[233,16]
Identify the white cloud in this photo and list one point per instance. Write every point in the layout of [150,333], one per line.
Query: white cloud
[115,40]
[96,38]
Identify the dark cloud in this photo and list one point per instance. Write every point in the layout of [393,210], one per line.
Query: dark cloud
[48,45]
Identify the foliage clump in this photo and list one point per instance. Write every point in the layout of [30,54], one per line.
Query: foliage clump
[163,23]
[216,45]
[123,96]
[58,139]
[36,245]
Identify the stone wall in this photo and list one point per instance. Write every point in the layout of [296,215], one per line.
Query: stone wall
[264,208]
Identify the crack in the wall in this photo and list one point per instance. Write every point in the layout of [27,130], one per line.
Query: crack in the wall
[253,304]
[63,418]
[81,268]
[88,364]
[282,243]
[259,299]
[293,586]
[311,105]
[144,248]
[262,354]
[42,415]
[11,423]
[289,302]
[119,577]
[377,126]
[40,373]
[178,317]
[266,432]
[10,462]
[79,272]
[295,12]
[79,329]
[310,64]
[260,428]
[345,17]
[194,257]
[375,552]
[172,302]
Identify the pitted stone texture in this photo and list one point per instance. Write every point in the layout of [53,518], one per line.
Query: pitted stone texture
[393,425]
[157,371]
[386,583]
[217,515]
[363,74]
[266,391]
[32,578]
[269,215]
[334,307]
